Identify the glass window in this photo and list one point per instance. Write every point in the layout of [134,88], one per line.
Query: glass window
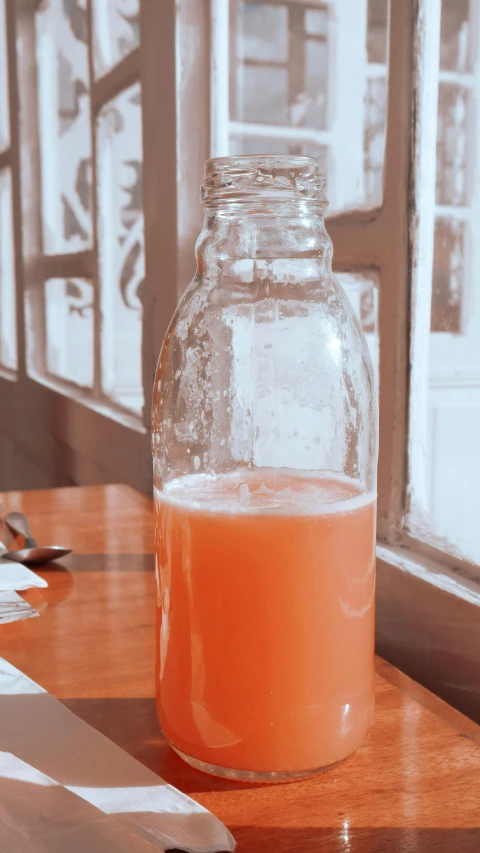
[447,510]
[242,144]
[455,44]
[116,32]
[448,275]
[8,314]
[69,326]
[316,21]
[377,31]
[4,120]
[262,94]
[374,138]
[93,328]
[313,110]
[317,75]
[454,122]
[262,32]
[121,246]
[64,118]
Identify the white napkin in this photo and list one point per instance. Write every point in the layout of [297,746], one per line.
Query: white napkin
[15,576]
[39,730]
[13,607]
[39,816]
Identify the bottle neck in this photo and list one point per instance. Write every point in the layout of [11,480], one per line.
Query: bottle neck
[235,232]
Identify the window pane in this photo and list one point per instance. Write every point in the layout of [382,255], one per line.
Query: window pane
[374,138]
[448,275]
[117,32]
[444,489]
[257,145]
[455,54]
[377,31]
[64,116]
[121,248]
[263,145]
[69,323]
[321,75]
[4,120]
[8,315]
[262,94]
[313,111]
[316,21]
[362,291]
[262,32]
[452,134]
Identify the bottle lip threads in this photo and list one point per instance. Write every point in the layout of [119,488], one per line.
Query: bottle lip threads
[248,177]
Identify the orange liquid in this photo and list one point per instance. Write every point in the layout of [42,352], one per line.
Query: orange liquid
[265,607]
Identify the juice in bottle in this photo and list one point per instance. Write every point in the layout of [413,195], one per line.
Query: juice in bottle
[265,620]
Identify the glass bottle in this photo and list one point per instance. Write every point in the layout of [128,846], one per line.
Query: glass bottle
[265,452]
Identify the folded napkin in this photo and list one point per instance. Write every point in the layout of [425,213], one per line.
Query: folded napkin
[39,816]
[40,731]
[13,607]
[15,576]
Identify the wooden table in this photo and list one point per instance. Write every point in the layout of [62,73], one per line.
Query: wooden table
[414,787]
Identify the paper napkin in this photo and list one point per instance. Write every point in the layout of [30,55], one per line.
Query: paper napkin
[15,576]
[39,816]
[40,731]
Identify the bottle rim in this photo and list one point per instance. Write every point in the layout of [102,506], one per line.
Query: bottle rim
[263,177]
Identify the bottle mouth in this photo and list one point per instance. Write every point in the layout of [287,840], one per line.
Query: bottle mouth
[263,177]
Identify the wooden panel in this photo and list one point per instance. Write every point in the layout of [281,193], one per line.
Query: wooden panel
[157,35]
[5,158]
[431,633]
[413,787]
[50,429]
[193,63]
[73,265]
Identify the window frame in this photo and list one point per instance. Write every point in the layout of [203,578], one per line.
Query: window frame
[83,263]
[410,564]
[61,434]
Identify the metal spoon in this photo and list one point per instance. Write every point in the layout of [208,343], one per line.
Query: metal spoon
[3,549]
[31,553]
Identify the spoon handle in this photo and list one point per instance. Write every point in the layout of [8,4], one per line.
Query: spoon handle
[18,522]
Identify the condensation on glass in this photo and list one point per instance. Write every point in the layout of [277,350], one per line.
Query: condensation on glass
[121,246]
[4,117]
[64,125]
[69,326]
[8,316]
[116,32]
[452,463]
[311,79]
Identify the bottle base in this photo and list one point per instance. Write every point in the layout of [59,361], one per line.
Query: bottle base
[252,776]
